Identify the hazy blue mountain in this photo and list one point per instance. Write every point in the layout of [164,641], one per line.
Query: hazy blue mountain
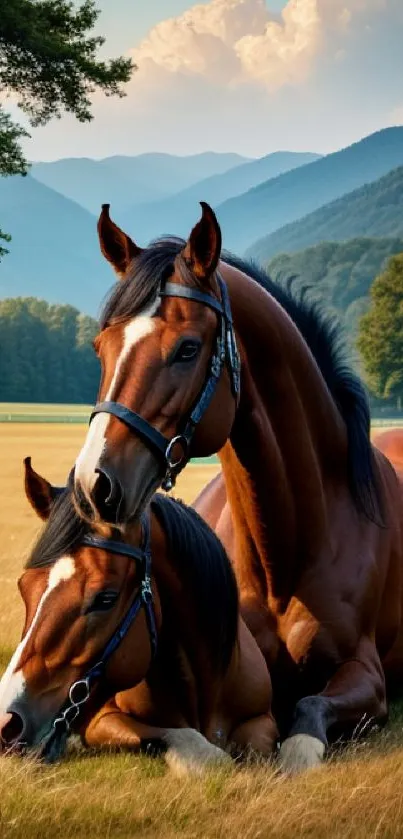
[124,181]
[171,173]
[91,183]
[340,273]
[176,213]
[375,209]
[291,196]
[54,253]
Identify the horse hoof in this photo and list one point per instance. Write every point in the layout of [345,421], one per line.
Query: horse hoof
[299,753]
[189,753]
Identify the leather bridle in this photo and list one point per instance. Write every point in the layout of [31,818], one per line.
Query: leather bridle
[225,352]
[80,691]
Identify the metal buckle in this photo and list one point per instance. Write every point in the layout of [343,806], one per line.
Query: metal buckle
[168,481]
[80,685]
[234,360]
[146,590]
[216,366]
[178,440]
[66,719]
[173,465]
[70,714]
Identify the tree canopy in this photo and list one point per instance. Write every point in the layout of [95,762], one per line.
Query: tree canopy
[381,333]
[48,61]
[46,353]
[340,273]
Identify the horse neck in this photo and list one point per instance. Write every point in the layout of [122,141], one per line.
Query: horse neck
[287,436]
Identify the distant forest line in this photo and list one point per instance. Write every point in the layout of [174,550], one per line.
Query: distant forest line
[46,353]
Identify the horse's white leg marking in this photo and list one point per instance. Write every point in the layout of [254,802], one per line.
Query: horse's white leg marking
[12,684]
[94,445]
[189,753]
[301,752]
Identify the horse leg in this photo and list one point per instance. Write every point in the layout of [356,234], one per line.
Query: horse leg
[259,734]
[186,751]
[355,694]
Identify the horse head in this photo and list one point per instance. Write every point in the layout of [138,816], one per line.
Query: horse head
[170,370]
[77,595]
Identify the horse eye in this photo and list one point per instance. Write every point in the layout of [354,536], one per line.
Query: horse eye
[102,601]
[186,351]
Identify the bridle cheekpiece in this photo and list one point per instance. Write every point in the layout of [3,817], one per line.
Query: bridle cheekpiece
[225,353]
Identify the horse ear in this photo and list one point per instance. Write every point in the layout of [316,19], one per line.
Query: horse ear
[116,246]
[40,493]
[203,248]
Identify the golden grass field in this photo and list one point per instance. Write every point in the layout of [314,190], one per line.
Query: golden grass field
[357,794]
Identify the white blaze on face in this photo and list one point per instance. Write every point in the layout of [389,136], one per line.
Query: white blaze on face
[94,445]
[12,684]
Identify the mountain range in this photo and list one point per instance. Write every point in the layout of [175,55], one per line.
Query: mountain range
[127,181]
[375,209]
[177,213]
[291,196]
[54,253]
[284,201]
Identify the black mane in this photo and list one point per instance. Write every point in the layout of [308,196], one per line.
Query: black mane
[321,332]
[62,534]
[202,560]
[324,336]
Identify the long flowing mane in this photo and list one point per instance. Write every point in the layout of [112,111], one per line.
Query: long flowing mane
[320,330]
[203,562]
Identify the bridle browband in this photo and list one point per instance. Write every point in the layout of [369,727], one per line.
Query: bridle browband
[225,352]
[80,691]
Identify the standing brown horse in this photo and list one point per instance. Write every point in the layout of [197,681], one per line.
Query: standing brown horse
[142,636]
[310,513]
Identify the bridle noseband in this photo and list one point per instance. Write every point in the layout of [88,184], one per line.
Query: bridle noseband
[80,690]
[225,352]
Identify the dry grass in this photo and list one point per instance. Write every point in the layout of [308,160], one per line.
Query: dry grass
[357,794]
[122,796]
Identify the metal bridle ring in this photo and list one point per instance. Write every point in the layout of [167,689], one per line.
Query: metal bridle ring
[178,440]
[83,689]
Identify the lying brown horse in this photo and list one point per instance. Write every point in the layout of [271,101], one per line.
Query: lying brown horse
[140,639]
[199,356]
[390,442]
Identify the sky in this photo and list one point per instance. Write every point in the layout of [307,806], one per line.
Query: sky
[251,76]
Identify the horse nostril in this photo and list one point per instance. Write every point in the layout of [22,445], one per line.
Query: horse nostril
[107,495]
[82,501]
[12,728]
[106,488]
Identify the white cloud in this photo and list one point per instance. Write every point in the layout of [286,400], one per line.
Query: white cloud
[283,52]
[233,41]
[230,75]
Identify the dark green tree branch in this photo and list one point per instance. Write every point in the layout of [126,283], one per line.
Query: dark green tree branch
[48,61]
[12,160]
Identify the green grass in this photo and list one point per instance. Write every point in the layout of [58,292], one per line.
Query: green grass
[26,412]
[33,412]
